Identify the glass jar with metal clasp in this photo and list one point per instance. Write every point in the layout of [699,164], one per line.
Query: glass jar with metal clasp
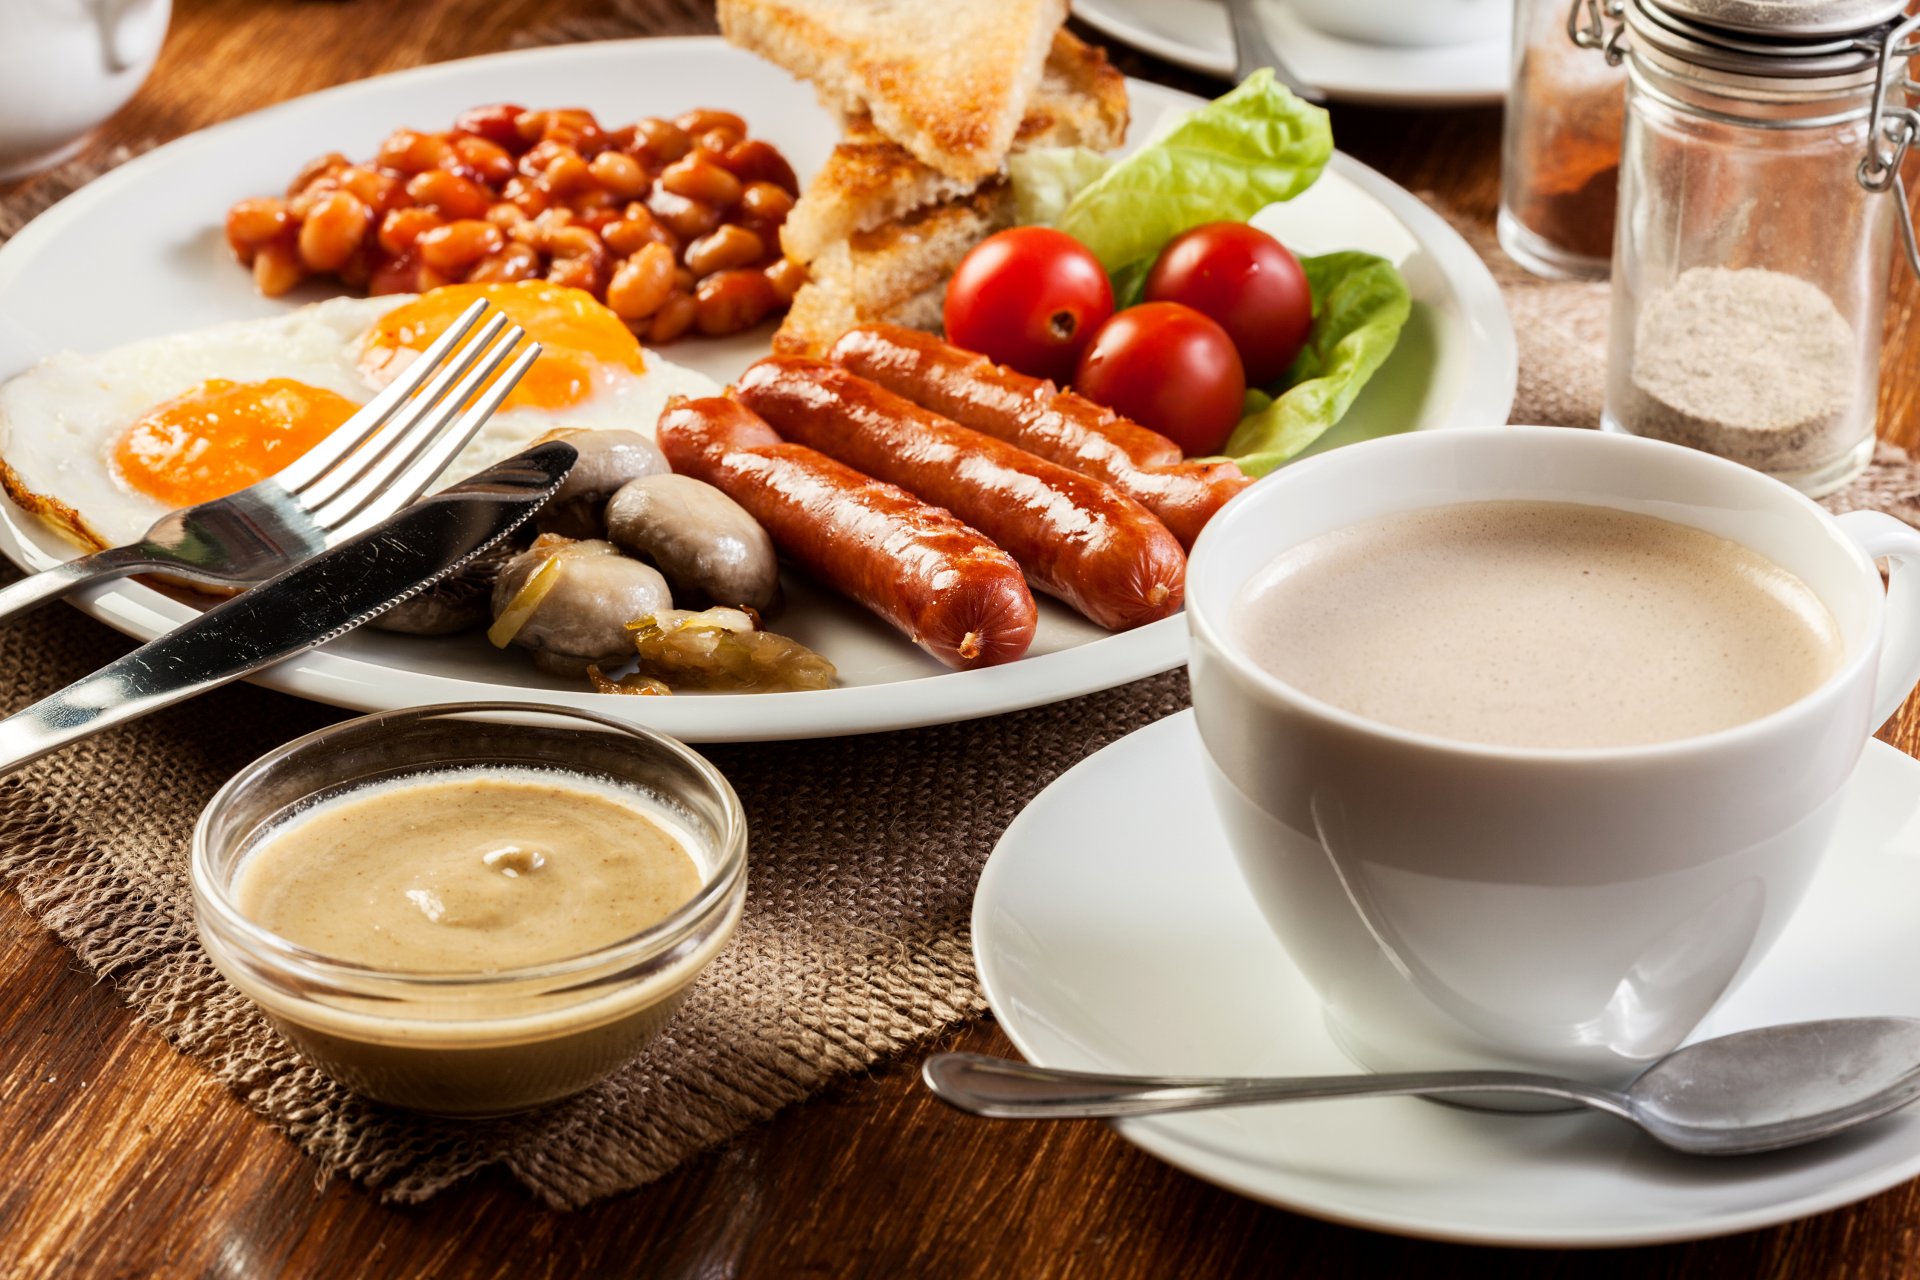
[1760,194]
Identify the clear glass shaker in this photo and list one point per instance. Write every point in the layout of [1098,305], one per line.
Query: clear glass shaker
[1759,195]
[1560,150]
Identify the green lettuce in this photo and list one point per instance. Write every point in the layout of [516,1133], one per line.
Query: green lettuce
[1046,179]
[1222,162]
[1360,304]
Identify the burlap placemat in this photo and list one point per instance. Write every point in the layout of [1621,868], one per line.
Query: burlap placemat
[854,945]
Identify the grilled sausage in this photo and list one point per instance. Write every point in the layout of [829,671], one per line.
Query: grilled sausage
[951,591]
[1060,426]
[1077,538]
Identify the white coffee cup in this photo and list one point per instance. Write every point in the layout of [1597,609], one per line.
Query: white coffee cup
[1408,22]
[1573,911]
[65,66]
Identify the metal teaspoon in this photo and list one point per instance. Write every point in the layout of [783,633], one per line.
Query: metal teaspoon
[1252,50]
[1751,1091]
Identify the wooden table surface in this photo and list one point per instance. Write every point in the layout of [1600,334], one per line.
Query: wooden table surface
[119,1156]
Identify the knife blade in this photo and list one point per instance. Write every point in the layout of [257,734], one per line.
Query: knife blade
[308,605]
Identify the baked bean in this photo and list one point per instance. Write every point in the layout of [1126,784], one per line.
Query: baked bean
[276,269]
[673,319]
[319,166]
[767,201]
[450,194]
[630,234]
[566,171]
[409,151]
[620,174]
[253,223]
[483,160]
[529,197]
[494,123]
[729,301]
[515,262]
[506,216]
[333,231]
[701,119]
[380,192]
[402,228]
[301,204]
[641,283]
[786,276]
[576,128]
[657,143]
[697,177]
[397,274]
[574,242]
[578,273]
[726,248]
[594,200]
[357,270]
[598,220]
[756,160]
[688,219]
[458,245]
[674,224]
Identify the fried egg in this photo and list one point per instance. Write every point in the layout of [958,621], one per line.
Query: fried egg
[103,445]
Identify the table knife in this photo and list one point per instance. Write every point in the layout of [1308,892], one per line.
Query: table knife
[306,606]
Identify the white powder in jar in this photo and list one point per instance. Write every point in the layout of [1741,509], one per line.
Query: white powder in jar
[1753,365]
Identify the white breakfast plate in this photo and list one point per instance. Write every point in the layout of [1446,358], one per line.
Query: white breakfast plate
[1193,33]
[1112,933]
[140,252]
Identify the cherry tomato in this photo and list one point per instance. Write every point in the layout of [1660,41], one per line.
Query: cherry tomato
[1031,298]
[1169,368]
[1247,282]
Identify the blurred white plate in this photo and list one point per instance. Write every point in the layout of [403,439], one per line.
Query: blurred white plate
[1194,33]
[1113,932]
[140,252]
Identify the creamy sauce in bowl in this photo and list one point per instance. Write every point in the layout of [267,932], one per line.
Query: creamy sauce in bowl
[469,871]
[465,916]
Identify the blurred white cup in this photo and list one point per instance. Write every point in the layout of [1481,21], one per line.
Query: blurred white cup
[1408,22]
[65,66]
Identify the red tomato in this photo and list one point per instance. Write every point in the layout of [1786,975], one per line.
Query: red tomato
[1169,368]
[1248,283]
[1030,297]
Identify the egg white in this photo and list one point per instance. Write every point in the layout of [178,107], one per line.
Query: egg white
[60,419]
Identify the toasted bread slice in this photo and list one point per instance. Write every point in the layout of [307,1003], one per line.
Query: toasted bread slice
[897,273]
[870,180]
[948,81]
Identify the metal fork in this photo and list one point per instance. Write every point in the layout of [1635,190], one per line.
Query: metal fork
[375,463]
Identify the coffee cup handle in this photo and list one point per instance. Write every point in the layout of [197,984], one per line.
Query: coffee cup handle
[1883,537]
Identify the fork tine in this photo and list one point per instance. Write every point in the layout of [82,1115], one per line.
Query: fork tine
[420,473]
[374,414]
[417,414]
[376,492]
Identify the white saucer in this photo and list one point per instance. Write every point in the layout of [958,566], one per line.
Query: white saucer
[1112,932]
[1194,33]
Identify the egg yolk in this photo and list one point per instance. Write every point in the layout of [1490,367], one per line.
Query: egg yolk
[577,336]
[222,436]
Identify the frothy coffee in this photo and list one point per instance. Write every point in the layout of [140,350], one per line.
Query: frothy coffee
[1538,624]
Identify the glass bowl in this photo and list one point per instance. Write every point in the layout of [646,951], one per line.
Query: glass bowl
[481,1043]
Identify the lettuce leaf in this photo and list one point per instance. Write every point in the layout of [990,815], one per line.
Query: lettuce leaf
[1046,179]
[1222,162]
[1360,304]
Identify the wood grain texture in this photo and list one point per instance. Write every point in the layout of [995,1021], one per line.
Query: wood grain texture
[123,1158]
